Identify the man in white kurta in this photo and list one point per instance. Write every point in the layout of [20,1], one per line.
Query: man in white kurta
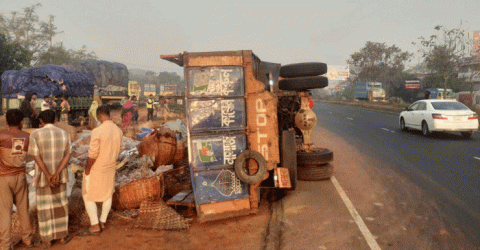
[99,176]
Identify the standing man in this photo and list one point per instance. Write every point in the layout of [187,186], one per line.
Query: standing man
[150,108]
[50,147]
[99,176]
[48,103]
[13,185]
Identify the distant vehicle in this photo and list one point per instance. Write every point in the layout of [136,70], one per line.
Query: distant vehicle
[439,115]
[437,93]
[371,91]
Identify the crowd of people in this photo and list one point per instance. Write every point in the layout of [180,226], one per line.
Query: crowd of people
[50,148]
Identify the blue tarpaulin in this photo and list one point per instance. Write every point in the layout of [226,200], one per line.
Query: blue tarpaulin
[44,80]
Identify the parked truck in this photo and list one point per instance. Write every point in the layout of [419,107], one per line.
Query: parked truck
[111,79]
[49,80]
[371,91]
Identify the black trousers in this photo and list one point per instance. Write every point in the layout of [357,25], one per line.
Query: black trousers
[150,114]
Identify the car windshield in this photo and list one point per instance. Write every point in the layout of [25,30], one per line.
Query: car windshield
[449,106]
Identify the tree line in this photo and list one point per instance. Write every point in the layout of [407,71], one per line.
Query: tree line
[27,41]
[443,54]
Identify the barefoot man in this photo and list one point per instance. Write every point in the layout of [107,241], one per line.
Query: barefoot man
[50,147]
[99,176]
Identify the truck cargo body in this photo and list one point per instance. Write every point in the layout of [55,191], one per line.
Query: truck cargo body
[49,80]
[111,79]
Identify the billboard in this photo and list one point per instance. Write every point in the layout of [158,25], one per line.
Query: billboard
[338,72]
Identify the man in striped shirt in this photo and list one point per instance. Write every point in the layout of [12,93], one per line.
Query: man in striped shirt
[50,146]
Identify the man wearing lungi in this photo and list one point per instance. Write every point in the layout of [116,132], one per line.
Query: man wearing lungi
[99,175]
[50,147]
[13,184]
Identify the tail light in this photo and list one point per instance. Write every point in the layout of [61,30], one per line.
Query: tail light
[473,117]
[439,117]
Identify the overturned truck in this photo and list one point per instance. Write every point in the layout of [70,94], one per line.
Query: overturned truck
[249,125]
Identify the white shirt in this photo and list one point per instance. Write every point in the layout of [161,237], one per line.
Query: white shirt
[45,106]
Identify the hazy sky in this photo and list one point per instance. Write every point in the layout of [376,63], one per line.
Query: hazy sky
[137,32]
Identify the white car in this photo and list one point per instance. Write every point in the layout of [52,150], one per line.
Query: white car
[439,115]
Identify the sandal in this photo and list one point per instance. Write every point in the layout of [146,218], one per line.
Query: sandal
[66,239]
[86,232]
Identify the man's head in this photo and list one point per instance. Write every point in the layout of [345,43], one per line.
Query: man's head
[47,116]
[103,113]
[134,98]
[151,96]
[46,98]
[14,118]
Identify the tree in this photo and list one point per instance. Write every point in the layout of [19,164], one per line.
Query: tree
[12,55]
[446,52]
[376,62]
[36,37]
[59,55]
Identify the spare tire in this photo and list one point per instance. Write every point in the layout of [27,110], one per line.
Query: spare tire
[318,156]
[241,167]
[303,69]
[315,172]
[303,83]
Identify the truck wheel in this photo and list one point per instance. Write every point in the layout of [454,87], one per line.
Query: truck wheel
[314,172]
[318,156]
[241,167]
[303,83]
[303,69]
[289,155]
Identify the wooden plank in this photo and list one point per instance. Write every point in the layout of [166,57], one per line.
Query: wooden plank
[183,198]
[190,198]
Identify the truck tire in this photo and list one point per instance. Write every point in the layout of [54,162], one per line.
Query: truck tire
[241,167]
[318,156]
[289,156]
[303,69]
[303,83]
[315,172]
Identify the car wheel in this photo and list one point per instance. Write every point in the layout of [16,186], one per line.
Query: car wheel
[402,124]
[425,130]
[315,172]
[303,83]
[318,156]
[466,135]
[303,69]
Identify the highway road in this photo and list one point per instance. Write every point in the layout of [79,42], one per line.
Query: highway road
[445,166]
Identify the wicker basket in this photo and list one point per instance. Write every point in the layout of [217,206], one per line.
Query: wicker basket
[131,195]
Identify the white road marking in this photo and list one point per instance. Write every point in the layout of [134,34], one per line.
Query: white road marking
[478,158]
[388,130]
[356,217]
[350,118]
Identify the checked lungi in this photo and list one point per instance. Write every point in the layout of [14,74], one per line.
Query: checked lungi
[52,209]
